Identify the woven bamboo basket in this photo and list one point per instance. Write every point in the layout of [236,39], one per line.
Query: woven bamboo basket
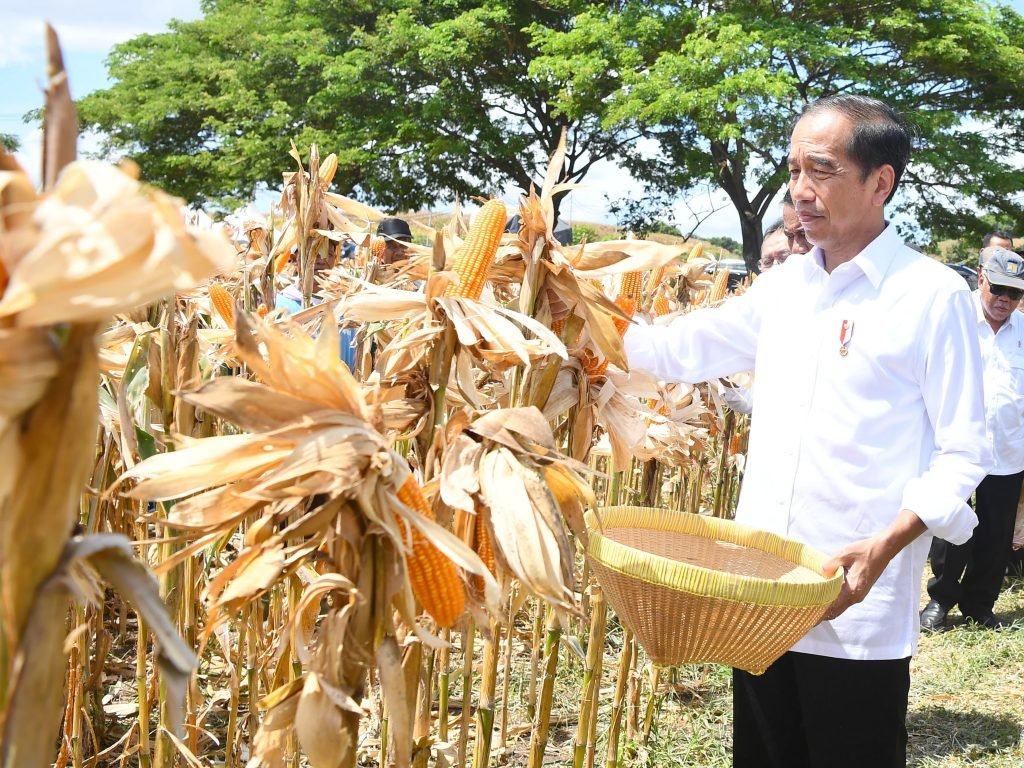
[700,589]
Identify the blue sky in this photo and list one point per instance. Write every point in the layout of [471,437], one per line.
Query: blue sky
[88,30]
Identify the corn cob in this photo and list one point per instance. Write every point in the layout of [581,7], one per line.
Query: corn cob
[435,582]
[698,298]
[484,549]
[557,326]
[661,306]
[696,252]
[377,247]
[262,310]
[596,366]
[257,243]
[473,260]
[720,285]
[655,279]
[629,286]
[327,169]
[223,303]
[281,261]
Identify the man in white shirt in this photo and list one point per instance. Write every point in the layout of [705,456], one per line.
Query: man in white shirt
[869,433]
[970,575]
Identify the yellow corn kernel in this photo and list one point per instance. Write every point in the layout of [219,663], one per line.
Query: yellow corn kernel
[630,284]
[433,577]
[720,285]
[262,310]
[473,260]
[696,252]
[557,326]
[222,303]
[661,306]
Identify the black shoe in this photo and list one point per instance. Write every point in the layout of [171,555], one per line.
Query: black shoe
[985,621]
[933,617]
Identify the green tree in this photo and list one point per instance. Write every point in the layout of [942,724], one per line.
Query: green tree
[420,98]
[718,83]
[9,142]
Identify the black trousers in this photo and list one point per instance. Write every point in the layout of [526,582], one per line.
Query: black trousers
[817,712]
[970,575]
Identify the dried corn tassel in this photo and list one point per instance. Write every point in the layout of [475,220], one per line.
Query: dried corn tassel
[433,577]
[720,286]
[222,302]
[473,260]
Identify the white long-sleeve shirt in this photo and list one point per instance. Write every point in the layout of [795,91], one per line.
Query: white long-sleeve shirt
[1002,354]
[841,443]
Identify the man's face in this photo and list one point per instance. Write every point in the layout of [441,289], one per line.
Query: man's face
[836,205]
[796,240]
[394,252]
[774,250]
[996,307]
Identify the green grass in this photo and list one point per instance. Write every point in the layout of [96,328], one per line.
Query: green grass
[966,704]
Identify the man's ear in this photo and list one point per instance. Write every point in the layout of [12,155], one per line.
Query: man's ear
[885,181]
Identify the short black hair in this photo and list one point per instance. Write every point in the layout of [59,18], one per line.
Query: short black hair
[881,135]
[775,226]
[1002,234]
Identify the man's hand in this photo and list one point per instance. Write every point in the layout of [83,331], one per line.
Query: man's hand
[865,560]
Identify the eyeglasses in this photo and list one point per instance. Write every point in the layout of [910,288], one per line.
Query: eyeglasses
[768,261]
[1013,294]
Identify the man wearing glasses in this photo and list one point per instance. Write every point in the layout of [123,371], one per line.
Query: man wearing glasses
[970,575]
[774,248]
[794,230]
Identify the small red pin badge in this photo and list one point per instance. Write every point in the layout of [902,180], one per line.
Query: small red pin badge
[845,334]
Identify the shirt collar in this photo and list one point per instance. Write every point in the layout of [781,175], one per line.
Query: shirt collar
[876,257]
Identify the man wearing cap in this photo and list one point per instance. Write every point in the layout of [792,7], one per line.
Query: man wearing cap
[970,575]
[396,235]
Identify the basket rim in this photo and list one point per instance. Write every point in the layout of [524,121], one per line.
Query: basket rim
[685,577]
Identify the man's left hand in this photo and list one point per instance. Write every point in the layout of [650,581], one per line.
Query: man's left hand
[865,560]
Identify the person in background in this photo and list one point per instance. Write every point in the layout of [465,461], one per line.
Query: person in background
[970,575]
[869,434]
[795,237]
[774,247]
[396,235]
[998,238]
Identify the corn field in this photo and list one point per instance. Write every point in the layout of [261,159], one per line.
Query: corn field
[223,546]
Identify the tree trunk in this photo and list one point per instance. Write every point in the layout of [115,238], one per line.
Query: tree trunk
[751,228]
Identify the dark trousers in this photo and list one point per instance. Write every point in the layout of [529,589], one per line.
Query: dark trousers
[817,712]
[970,575]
